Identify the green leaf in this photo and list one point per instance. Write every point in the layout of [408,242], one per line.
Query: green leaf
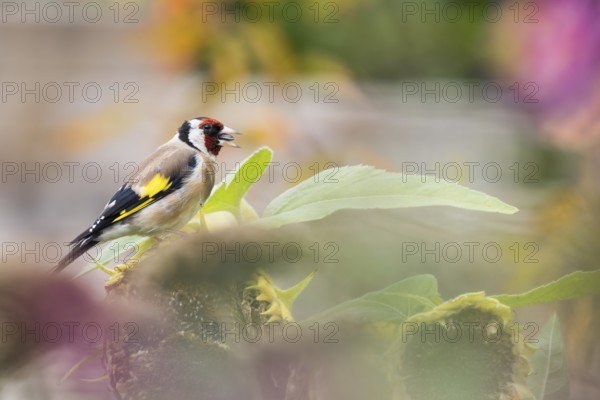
[394,303]
[550,379]
[228,195]
[365,187]
[577,284]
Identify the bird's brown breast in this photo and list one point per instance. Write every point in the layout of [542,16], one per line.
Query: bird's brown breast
[176,209]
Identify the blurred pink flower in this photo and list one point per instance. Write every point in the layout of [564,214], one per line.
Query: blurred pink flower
[554,48]
[562,52]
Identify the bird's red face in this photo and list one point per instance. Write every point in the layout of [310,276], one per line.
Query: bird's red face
[207,134]
[211,128]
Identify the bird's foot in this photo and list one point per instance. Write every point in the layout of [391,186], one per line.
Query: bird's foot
[104,269]
[118,274]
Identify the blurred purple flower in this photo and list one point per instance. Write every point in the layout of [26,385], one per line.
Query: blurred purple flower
[562,52]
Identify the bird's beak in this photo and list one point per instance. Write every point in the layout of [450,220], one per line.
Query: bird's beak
[225,138]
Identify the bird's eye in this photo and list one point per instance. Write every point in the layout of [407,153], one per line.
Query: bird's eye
[206,127]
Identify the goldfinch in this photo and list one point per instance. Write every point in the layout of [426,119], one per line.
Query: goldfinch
[168,189]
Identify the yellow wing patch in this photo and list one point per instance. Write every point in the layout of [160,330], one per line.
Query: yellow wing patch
[126,213]
[157,184]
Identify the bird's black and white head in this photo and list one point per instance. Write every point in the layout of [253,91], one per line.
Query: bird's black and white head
[206,135]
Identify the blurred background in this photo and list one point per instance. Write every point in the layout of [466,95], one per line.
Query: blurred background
[502,97]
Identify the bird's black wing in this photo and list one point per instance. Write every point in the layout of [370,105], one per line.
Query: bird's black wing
[131,198]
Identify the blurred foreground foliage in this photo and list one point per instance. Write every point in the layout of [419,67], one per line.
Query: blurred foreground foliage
[223,328]
[193,322]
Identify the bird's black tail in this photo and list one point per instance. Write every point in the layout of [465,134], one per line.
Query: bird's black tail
[80,245]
